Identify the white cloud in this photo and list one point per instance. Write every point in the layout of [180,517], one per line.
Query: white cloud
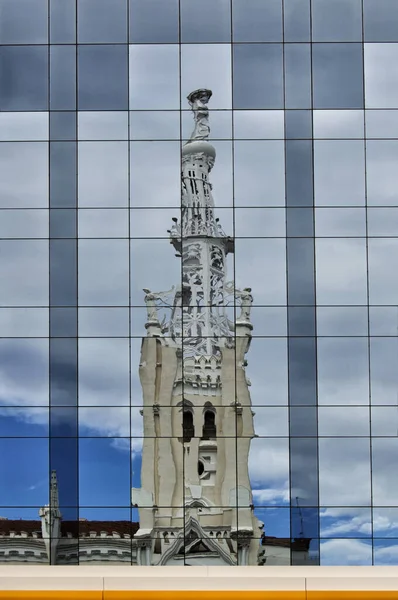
[272,496]
[347,552]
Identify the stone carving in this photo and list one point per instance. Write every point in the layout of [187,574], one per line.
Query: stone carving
[175,231]
[152,310]
[246,304]
[192,252]
[198,101]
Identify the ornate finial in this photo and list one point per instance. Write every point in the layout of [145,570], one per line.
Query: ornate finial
[198,101]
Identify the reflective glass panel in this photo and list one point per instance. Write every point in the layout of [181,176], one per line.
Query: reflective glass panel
[23,22]
[257,21]
[24,78]
[101,21]
[207,21]
[337,75]
[337,21]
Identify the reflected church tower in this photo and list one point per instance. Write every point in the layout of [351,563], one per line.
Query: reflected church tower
[195,501]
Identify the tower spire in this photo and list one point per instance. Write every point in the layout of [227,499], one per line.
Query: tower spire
[199,321]
[54,497]
[199,316]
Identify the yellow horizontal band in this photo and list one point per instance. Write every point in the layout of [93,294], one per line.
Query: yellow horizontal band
[51,595]
[205,595]
[352,595]
[197,595]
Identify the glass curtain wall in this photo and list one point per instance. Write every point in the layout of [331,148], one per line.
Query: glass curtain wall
[94,119]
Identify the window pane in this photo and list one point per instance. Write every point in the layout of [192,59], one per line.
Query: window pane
[297,20]
[340,222]
[265,256]
[205,21]
[155,125]
[299,174]
[62,77]
[298,76]
[258,124]
[102,77]
[380,20]
[258,77]
[103,223]
[63,125]
[63,174]
[23,126]
[103,174]
[381,75]
[63,278]
[337,21]
[381,172]
[340,124]
[343,371]
[154,78]
[344,183]
[103,273]
[344,421]
[23,223]
[24,272]
[24,322]
[104,125]
[339,320]
[302,372]
[382,221]
[337,75]
[257,21]
[145,29]
[341,481]
[382,124]
[104,374]
[23,78]
[24,174]
[165,188]
[384,455]
[298,124]
[260,222]
[23,22]
[102,21]
[341,271]
[31,466]
[300,273]
[62,22]
[383,370]
[251,159]
[383,263]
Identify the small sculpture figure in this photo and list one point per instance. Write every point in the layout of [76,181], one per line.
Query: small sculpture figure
[175,230]
[150,301]
[246,304]
[198,101]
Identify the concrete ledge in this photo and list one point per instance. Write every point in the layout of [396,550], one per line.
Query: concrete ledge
[197,583]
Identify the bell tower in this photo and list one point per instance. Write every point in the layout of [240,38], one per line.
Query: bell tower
[195,500]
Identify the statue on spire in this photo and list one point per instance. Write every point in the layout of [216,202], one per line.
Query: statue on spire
[198,101]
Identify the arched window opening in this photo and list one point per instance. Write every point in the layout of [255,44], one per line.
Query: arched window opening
[201,468]
[209,426]
[188,429]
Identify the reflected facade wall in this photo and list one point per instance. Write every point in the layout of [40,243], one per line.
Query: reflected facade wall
[304,120]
